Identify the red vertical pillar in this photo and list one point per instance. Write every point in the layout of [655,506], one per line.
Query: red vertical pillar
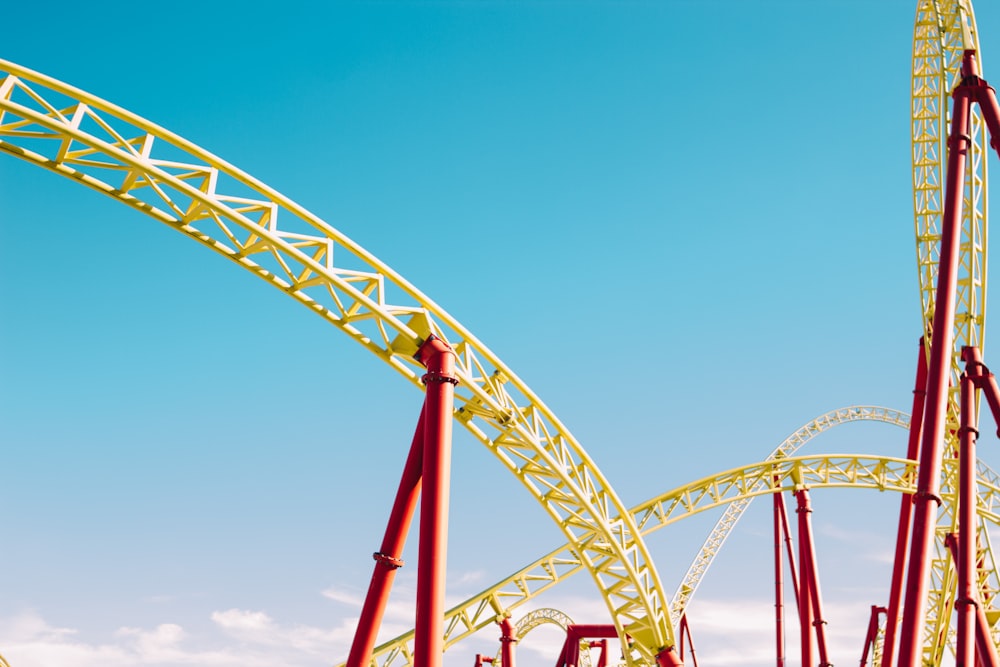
[905,507]
[965,603]
[779,590]
[428,640]
[805,582]
[926,499]
[602,659]
[507,640]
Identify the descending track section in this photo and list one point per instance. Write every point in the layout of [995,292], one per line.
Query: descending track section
[72,133]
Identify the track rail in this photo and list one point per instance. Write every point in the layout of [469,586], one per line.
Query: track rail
[937,52]
[77,135]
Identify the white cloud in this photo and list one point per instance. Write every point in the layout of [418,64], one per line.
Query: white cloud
[27,640]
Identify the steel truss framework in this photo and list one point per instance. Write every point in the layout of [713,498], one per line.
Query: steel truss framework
[104,147]
[942,32]
[77,135]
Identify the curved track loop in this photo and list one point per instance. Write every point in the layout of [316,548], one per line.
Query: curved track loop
[543,616]
[937,51]
[791,444]
[75,134]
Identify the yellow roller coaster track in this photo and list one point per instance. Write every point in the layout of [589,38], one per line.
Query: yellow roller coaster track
[940,31]
[108,149]
[70,132]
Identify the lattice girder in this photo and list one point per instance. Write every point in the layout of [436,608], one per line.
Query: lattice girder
[104,147]
[938,45]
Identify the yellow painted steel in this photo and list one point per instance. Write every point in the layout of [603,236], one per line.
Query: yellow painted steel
[942,31]
[72,133]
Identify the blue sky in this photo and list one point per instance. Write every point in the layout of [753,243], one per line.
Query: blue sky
[686,225]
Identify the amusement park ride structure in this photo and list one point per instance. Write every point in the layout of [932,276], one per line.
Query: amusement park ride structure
[944,580]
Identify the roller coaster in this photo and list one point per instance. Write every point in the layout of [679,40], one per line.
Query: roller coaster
[945,578]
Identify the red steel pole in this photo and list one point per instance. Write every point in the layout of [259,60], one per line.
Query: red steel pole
[779,591]
[685,632]
[789,547]
[986,650]
[389,558]
[965,603]
[428,640]
[810,570]
[926,499]
[602,658]
[507,640]
[905,507]
[805,580]
[872,637]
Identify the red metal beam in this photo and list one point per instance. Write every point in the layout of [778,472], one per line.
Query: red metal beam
[440,380]
[905,511]
[811,600]
[966,600]
[872,637]
[779,589]
[926,499]
[507,640]
[805,608]
[686,640]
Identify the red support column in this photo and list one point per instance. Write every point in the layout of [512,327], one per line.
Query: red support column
[982,378]
[905,507]
[926,500]
[602,659]
[507,640]
[966,601]
[685,636]
[805,580]
[986,650]
[872,637]
[389,558]
[789,548]
[779,590]
[809,589]
[428,640]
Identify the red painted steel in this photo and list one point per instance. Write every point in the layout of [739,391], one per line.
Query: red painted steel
[984,380]
[805,608]
[905,513]
[811,598]
[602,657]
[686,640]
[779,587]
[389,557]
[783,535]
[789,548]
[508,637]
[872,637]
[926,499]
[966,599]
[428,640]
[986,651]
[576,633]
